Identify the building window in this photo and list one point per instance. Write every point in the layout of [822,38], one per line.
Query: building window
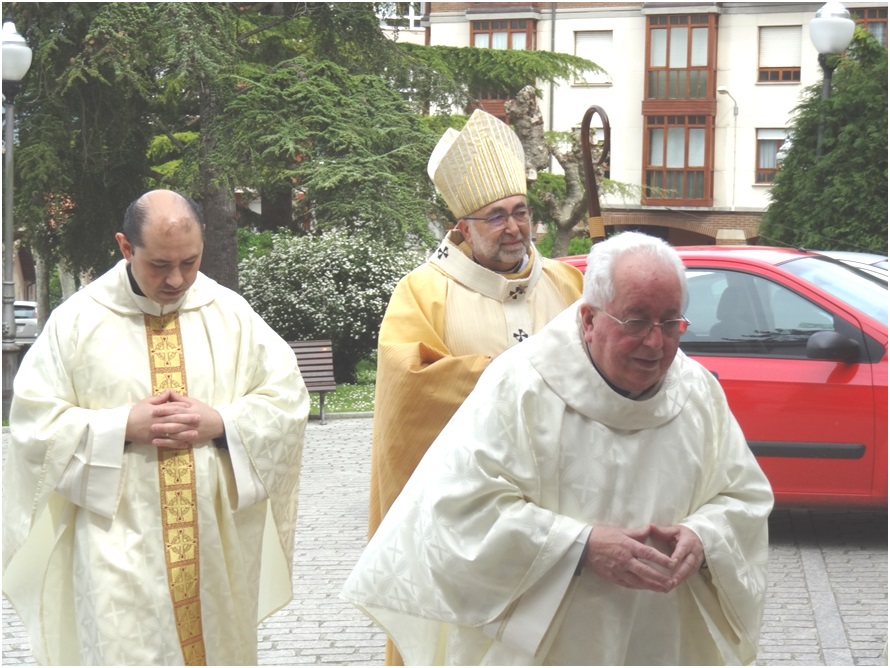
[401,14]
[768,143]
[679,63]
[676,147]
[597,47]
[873,20]
[517,34]
[779,54]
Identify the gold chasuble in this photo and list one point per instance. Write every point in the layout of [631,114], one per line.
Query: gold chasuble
[178,493]
[445,322]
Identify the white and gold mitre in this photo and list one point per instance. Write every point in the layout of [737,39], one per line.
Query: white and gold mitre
[482,163]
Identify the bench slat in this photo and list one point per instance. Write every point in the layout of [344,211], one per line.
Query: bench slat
[316,362]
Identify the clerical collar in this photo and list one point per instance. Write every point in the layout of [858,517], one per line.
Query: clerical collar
[133,283]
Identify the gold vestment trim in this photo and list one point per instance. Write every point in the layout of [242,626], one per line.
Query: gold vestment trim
[178,493]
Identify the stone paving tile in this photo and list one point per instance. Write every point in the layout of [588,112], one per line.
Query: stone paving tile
[844,554]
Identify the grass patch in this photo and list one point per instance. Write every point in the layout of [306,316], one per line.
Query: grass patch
[352,398]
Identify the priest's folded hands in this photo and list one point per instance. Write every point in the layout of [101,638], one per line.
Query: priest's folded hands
[170,420]
[623,557]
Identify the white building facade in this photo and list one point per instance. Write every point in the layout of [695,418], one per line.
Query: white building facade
[698,95]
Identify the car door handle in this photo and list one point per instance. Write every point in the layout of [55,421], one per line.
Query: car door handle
[715,374]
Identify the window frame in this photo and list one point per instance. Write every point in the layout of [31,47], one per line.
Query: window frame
[595,79]
[687,122]
[765,176]
[778,74]
[494,104]
[402,15]
[485,27]
[705,74]
[869,16]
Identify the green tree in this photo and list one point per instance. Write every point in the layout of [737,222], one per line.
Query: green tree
[834,197]
[110,79]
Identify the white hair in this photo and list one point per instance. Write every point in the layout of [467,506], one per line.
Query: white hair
[599,285]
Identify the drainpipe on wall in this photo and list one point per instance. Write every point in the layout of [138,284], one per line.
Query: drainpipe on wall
[552,49]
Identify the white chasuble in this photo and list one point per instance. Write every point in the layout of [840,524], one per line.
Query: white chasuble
[475,548]
[85,546]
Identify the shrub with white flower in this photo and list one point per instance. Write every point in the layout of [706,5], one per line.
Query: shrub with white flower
[333,286]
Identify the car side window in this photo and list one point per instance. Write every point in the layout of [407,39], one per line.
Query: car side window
[736,313]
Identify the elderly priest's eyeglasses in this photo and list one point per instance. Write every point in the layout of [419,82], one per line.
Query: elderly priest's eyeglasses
[641,328]
[498,221]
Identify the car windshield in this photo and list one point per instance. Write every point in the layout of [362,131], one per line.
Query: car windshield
[868,295]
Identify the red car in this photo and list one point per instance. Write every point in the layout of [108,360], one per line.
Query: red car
[799,344]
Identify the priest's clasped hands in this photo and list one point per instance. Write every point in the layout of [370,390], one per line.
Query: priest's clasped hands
[622,556]
[170,420]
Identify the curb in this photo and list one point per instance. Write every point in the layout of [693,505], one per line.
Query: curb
[314,417]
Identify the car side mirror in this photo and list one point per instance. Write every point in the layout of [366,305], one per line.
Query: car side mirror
[831,345]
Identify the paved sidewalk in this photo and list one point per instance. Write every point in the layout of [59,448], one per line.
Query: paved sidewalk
[826,604]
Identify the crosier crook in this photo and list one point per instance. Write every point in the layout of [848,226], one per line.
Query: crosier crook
[595,225]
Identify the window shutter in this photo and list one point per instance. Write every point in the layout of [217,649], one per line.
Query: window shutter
[768,133]
[595,46]
[780,46]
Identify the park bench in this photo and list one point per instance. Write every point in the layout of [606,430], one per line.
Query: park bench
[316,362]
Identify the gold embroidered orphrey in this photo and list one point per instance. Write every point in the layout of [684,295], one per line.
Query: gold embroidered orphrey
[178,493]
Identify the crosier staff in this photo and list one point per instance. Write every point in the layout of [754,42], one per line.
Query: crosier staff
[595,225]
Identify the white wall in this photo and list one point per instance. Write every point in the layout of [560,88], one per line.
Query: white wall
[768,105]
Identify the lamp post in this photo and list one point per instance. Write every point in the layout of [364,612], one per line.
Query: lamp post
[723,90]
[782,153]
[830,32]
[16,61]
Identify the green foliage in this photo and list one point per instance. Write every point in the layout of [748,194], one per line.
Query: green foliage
[447,75]
[577,245]
[127,96]
[835,198]
[252,244]
[347,140]
[326,287]
[545,183]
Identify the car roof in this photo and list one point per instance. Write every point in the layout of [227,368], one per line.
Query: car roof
[773,255]
[766,254]
[854,256]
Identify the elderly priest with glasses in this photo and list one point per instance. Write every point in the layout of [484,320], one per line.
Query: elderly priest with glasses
[593,501]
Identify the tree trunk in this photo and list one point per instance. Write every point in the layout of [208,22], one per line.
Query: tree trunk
[41,267]
[278,208]
[220,260]
[568,213]
[561,241]
[526,118]
[67,280]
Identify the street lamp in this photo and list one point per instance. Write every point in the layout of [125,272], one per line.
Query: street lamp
[16,61]
[723,90]
[782,153]
[830,32]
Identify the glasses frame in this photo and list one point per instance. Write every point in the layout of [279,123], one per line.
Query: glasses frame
[507,216]
[682,325]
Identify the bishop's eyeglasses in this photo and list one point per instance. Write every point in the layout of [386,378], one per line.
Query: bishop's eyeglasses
[640,329]
[499,220]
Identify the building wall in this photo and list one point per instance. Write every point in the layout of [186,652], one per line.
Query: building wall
[738,201]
